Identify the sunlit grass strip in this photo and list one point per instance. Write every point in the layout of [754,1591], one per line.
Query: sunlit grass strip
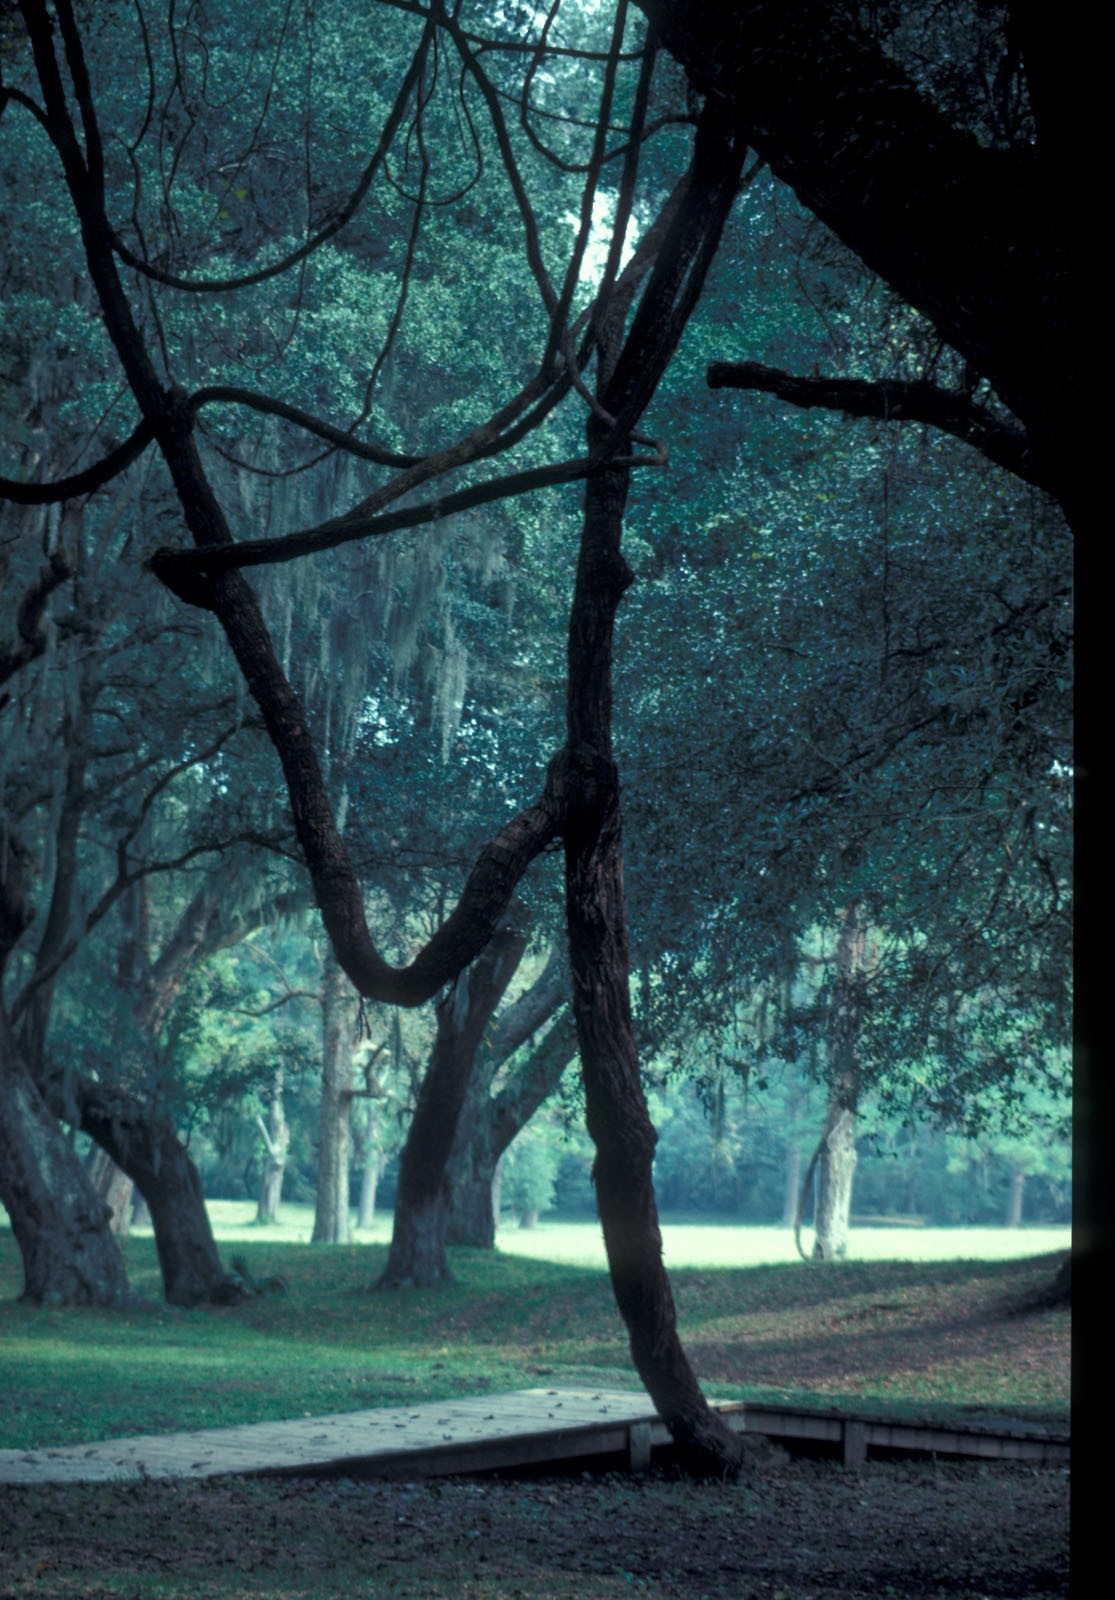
[901,1336]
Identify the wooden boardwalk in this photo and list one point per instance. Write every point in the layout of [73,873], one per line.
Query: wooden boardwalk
[528,1428]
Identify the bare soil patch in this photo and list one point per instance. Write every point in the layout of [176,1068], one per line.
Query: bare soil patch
[792,1530]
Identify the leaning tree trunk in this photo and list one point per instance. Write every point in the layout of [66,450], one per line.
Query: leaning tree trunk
[145,1144]
[616,1109]
[418,1242]
[60,1223]
[332,1223]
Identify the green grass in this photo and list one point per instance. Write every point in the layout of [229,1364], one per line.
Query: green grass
[925,1337]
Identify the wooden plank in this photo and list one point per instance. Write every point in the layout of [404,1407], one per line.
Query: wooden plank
[482,1433]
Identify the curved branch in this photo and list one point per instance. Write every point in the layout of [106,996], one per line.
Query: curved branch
[232,394]
[187,573]
[891,400]
[351,206]
[84,482]
[29,618]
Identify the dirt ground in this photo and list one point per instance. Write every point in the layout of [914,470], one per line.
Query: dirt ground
[791,1530]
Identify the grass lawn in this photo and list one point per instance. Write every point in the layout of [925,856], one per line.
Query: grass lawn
[899,1335]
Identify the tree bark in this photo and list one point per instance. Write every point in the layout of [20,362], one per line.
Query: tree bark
[618,1120]
[369,1185]
[489,1122]
[60,1223]
[145,1144]
[276,1141]
[836,1169]
[834,1159]
[1013,1216]
[332,1221]
[115,1188]
[418,1243]
[793,1183]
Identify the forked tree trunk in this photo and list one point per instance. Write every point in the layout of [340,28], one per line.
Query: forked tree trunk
[418,1242]
[332,1222]
[486,1129]
[60,1223]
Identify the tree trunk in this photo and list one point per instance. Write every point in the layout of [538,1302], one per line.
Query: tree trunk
[145,1144]
[418,1242]
[1013,1217]
[332,1222]
[616,1109]
[368,1152]
[276,1139]
[793,1184]
[60,1223]
[115,1188]
[369,1184]
[486,1130]
[836,1169]
[834,1159]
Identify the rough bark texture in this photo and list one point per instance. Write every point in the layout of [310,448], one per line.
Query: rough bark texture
[836,1170]
[61,1224]
[332,1222]
[417,1254]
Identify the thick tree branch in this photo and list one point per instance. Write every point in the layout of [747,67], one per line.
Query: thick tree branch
[268,406]
[891,400]
[84,482]
[188,572]
[29,618]
[969,235]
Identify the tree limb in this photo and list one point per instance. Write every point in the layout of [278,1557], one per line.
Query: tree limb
[891,400]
